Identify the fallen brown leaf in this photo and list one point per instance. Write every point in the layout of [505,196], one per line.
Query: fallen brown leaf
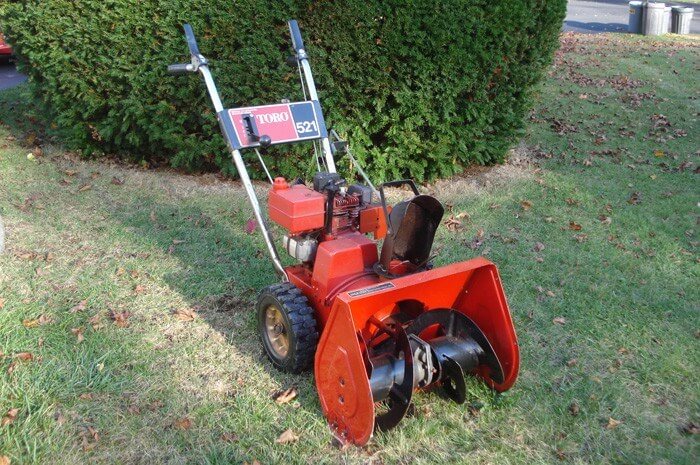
[526,205]
[574,408]
[539,247]
[9,417]
[117,181]
[287,395]
[87,396]
[560,320]
[185,314]
[690,428]
[11,367]
[229,437]
[452,223]
[182,423]
[30,323]
[82,305]
[2,303]
[635,198]
[574,226]
[90,437]
[612,423]
[95,322]
[605,219]
[5,460]
[287,437]
[78,333]
[24,356]
[85,187]
[58,416]
[139,289]
[120,318]
[571,363]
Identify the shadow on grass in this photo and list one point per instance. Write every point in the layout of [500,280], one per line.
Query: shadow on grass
[222,268]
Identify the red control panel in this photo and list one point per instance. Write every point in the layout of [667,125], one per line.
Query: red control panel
[283,123]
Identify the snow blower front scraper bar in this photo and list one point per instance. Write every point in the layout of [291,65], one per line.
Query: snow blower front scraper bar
[376,326]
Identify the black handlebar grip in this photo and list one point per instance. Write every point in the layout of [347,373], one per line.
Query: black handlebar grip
[297,41]
[178,69]
[400,183]
[191,40]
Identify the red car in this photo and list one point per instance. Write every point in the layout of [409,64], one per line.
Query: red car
[5,49]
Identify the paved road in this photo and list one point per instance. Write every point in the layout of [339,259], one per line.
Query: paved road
[9,76]
[595,16]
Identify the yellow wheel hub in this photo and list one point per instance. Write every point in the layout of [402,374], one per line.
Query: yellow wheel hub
[276,331]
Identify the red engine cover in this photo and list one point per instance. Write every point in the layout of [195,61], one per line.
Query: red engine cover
[296,208]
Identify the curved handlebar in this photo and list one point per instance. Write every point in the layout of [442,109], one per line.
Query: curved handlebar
[191,40]
[297,41]
[179,69]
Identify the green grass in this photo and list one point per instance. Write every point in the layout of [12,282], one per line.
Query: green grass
[628,291]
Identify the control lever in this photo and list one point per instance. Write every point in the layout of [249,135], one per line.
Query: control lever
[253,134]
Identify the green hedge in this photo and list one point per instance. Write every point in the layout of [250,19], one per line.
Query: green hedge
[420,87]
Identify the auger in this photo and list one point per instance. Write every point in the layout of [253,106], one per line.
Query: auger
[376,326]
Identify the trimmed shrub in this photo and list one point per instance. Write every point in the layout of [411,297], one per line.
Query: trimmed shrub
[421,88]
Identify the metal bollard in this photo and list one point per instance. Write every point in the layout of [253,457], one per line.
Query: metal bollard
[636,17]
[654,19]
[681,19]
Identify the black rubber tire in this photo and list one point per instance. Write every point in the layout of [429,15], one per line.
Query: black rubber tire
[299,322]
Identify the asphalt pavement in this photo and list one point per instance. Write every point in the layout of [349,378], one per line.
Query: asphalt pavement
[596,16]
[9,77]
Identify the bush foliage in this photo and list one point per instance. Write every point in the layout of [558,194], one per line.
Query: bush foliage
[421,88]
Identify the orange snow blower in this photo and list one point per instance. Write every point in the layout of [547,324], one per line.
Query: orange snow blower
[390,323]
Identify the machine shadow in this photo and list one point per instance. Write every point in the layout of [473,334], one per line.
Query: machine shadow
[592,27]
[222,270]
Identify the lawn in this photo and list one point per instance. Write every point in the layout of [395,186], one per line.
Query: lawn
[127,332]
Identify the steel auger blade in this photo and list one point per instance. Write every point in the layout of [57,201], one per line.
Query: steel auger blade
[455,338]
[393,385]
[384,341]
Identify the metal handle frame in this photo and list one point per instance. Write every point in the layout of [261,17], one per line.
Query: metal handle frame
[200,64]
[303,60]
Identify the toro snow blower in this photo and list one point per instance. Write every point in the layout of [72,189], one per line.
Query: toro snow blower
[389,323]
